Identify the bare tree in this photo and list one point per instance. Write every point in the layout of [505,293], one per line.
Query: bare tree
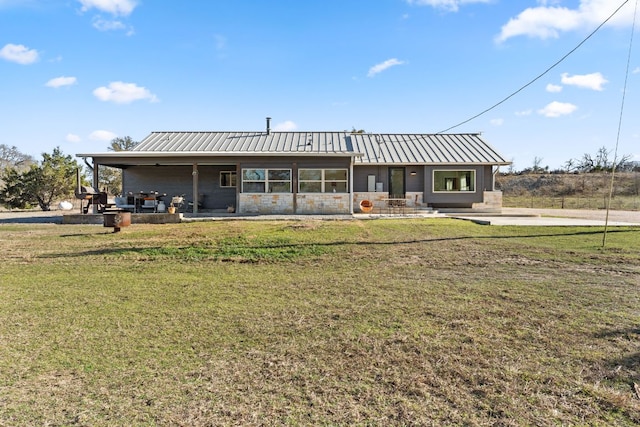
[12,157]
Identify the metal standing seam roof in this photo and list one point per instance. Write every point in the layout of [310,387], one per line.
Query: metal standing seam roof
[367,148]
[381,149]
[247,143]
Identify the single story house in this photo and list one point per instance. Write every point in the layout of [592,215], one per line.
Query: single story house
[270,172]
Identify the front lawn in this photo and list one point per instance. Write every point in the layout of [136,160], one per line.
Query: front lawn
[376,322]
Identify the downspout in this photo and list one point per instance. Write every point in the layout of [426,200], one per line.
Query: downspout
[295,186]
[493,179]
[238,184]
[351,185]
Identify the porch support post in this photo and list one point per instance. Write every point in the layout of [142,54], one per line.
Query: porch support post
[95,184]
[196,197]
[238,184]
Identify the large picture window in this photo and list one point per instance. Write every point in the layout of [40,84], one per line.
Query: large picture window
[266,180]
[322,181]
[454,180]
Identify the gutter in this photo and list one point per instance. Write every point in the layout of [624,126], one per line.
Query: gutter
[150,154]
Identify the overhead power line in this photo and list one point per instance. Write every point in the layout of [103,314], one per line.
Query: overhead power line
[615,151]
[540,75]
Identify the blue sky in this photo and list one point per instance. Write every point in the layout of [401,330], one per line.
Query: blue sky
[77,73]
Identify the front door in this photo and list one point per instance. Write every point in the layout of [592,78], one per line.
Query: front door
[396,183]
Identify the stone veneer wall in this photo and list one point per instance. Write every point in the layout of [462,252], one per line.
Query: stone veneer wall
[268,203]
[282,203]
[414,199]
[323,203]
[492,201]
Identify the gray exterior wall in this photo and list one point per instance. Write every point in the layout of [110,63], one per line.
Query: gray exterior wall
[412,183]
[175,180]
[178,180]
[457,199]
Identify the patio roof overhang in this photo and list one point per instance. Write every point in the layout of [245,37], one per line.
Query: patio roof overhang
[131,158]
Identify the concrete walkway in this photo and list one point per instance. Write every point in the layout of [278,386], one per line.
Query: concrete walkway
[555,217]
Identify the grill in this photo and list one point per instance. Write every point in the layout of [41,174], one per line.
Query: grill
[89,196]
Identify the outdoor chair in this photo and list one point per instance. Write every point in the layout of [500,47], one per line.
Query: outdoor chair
[150,204]
[121,204]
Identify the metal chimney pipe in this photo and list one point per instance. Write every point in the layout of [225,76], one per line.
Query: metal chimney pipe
[268,125]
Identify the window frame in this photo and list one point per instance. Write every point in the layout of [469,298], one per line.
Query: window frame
[266,180]
[323,181]
[455,178]
[232,179]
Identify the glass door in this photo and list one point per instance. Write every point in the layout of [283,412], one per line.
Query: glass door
[396,183]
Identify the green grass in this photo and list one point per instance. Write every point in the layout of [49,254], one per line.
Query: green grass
[387,322]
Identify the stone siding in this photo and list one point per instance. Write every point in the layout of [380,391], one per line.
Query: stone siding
[268,203]
[414,199]
[323,203]
[492,202]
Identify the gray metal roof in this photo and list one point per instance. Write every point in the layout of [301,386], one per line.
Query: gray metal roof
[366,148]
[423,149]
[248,143]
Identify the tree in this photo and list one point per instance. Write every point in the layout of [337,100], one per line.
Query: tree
[44,183]
[12,157]
[109,177]
[601,163]
[122,144]
[14,193]
[570,165]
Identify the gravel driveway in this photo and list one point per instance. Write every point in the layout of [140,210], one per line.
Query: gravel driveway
[618,216]
[55,216]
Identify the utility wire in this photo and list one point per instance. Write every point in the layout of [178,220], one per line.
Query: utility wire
[541,75]
[615,151]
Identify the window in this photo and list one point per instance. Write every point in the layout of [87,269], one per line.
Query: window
[452,181]
[228,179]
[322,181]
[266,180]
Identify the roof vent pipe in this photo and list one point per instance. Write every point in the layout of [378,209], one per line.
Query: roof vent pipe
[268,125]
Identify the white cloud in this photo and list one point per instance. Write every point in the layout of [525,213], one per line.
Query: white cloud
[102,135]
[553,88]
[524,113]
[636,71]
[549,21]
[497,122]
[123,93]
[19,53]
[61,81]
[107,25]
[589,81]
[378,68]
[285,126]
[449,5]
[557,109]
[114,7]
[71,137]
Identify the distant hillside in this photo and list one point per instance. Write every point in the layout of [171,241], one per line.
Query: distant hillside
[585,190]
[625,184]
